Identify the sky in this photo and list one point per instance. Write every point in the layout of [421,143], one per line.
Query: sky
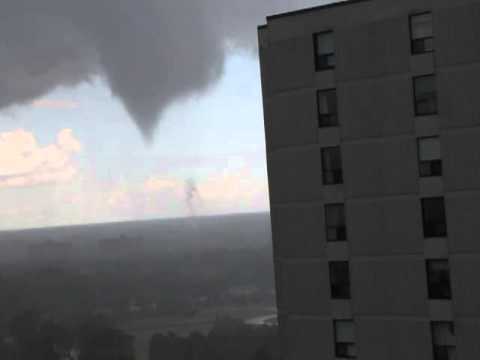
[160,117]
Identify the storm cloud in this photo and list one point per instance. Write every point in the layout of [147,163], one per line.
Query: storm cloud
[150,52]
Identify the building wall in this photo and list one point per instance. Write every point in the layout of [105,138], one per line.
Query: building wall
[298,222]
[394,339]
[390,96]
[389,286]
[384,167]
[382,189]
[384,227]
[307,337]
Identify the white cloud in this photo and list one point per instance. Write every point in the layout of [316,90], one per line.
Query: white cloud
[55,104]
[24,162]
[83,197]
[222,192]
[160,184]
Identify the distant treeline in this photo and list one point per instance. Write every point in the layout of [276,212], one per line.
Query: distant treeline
[175,284]
[136,239]
[230,339]
[34,336]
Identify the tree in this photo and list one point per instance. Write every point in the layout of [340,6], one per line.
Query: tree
[99,340]
[36,338]
[262,354]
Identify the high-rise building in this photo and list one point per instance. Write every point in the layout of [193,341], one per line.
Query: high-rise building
[372,118]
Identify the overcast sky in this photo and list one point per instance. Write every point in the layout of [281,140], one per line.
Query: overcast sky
[123,110]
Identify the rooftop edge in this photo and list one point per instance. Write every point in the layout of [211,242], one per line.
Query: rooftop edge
[314,8]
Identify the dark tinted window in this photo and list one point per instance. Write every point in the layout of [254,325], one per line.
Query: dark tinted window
[429,156]
[425,90]
[335,224]
[438,276]
[434,222]
[345,344]
[340,280]
[324,51]
[332,166]
[443,339]
[421,32]
[327,108]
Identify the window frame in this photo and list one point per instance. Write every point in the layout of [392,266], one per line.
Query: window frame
[337,174]
[339,355]
[450,324]
[442,347]
[438,162]
[347,284]
[327,227]
[427,234]
[431,284]
[412,39]
[336,121]
[317,56]
[415,95]
[437,348]
[338,343]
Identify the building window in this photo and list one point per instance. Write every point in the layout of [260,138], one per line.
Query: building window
[421,33]
[327,108]
[443,339]
[345,345]
[339,279]
[438,277]
[425,92]
[434,220]
[429,154]
[324,51]
[332,166]
[335,223]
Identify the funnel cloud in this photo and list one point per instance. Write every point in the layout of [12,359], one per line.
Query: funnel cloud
[150,52]
[191,193]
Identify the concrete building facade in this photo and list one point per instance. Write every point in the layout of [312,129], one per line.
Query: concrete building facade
[373,148]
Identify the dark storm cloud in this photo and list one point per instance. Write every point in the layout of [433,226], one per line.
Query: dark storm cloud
[150,52]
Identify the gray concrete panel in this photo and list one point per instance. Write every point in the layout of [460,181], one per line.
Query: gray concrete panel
[389,286]
[394,339]
[292,119]
[457,34]
[463,223]
[461,159]
[288,65]
[298,231]
[374,49]
[295,175]
[385,226]
[465,289]
[468,346]
[307,338]
[305,287]
[386,167]
[458,96]
[377,107]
